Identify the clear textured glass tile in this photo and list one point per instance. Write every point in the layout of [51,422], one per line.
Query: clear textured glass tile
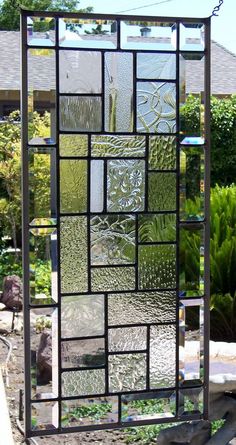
[80,72]
[162,153]
[156,66]
[112,278]
[157,266]
[44,416]
[112,239]
[161,191]
[82,316]
[118,146]
[83,383]
[118,92]
[87,33]
[154,228]
[73,145]
[41,31]
[92,411]
[125,185]
[192,169]
[154,36]
[127,339]
[191,261]
[73,186]
[190,401]
[145,406]
[162,356]
[192,37]
[83,353]
[127,372]
[80,113]
[156,107]
[73,254]
[96,186]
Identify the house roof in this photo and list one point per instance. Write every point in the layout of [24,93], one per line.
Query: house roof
[223,65]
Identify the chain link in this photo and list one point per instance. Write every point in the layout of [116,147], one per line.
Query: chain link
[217,8]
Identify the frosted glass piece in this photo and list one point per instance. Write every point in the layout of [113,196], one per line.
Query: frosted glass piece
[161,191]
[112,278]
[96,186]
[41,31]
[156,66]
[82,316]
[80,113]
[112,239]
[73,254]
[190,401]
[191,261]
[125,185]
[192,37]
[87,33]
[154,36]
[83,353]
[118,146]
[192,184]
[162,153]
[160,227]
[73,145]
[73,186]
[157,266]
[162,356]
[92,411]
[127,339]
[145,307]
[44,416]
[118,92]
[83,383]
[80,72]
[127,372]
[148,405]
[156,107]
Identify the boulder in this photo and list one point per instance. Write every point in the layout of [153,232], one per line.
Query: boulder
[12,292]
[44,358]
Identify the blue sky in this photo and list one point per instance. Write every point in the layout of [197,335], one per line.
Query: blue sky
[223,27]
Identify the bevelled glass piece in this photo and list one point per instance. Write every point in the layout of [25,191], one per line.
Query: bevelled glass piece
[161,191]
[145,307]
[73,254]
[73,145]
[162,153]
[162,356]
[156,66]
[127,339]
[190,401]
[191,183]
[83,382]
[157,266]
[118,72]
[44,416]
[83,353]
[123,146]
[149,405]
[80,72]
[191,261]
[127,372]
[96,186]
[154,228]
[112,278]
[191,318]
[87,33]
[125,185]
[192,37]
[156,107]
[193,141]
[41,31]
[80,113]
[154,36]
[43,265]
[93,411]
[112,239]
[82,316]
[73,186]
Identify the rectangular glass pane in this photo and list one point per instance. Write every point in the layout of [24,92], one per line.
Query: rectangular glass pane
[192,37]
[118,72]
[118,146]
[44,416]
[41,31]
[191,261]
[95,411]
[96,186]
[192,183]
[157,266]
[127,372]
[112,278]
[82,353]
[190,401]
[148,35]
[73,145]
[161,191]
[162,153]
[73,186]
[146,406]
[80,72]
[82,316]
[154,228]
[156,66]
[83,383]
[127,339]
[73,254]
[87,33]
[80,113]
[162,356]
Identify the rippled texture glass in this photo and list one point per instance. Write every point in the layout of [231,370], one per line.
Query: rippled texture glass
[80,72]
[127,372]
[162,356]
[73,186]
[162,153]
[83,353]
[80,113]
[157,266]
[156,66]
[73,145]
[92,411]
[124,146]
[127,339]
[161,191]
[83,382]
[112,278]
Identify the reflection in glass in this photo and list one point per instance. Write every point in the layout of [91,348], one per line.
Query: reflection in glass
[83,353]
[162,153]
[127,372]
[87,33]
[44,416]
[157,266]
[156,66]
[191,261]
[154,228]
[112,278]
[192,37]
[73,186]
[190,401]
[80,113]
[162,356]
[144,406]
[41,31]
[73,145]
[90,411]
[83,382]
[155,36]
[80,72]
[127,339]
[191,183]
[123,146]
[161,191]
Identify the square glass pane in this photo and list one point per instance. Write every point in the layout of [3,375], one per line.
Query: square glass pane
[192,37]
[191,261]
[96,186]
[112,239]
[148,35]
[127,339]
[80,113]
[122,146]
[156,107]
[156,66]
[190,402]
[73,254]
[161,191]
[162,153]
[80,72]
[118,92]
[154,228]
[82,316]
[73,186]
[93,411]
[157,266]
[112,278]
[83,353]
[87,33]
[127,372]
[191,183]
[44,416]
[83,383]
[162,356]
[144,406]
[41,31]
[125,185]
[73,145]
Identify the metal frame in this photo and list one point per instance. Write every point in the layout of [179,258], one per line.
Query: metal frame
[25,208]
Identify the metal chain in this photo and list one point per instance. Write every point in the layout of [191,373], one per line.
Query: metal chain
[217,8]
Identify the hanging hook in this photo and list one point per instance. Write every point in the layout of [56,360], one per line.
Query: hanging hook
[217,8]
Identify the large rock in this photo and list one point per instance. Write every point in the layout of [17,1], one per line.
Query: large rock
[44,358]
[12,292]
